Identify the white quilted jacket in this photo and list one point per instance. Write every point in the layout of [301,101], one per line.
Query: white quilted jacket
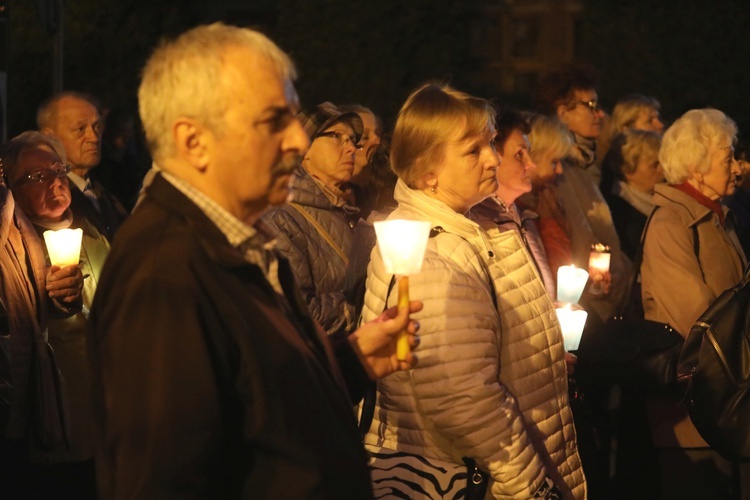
[490,383]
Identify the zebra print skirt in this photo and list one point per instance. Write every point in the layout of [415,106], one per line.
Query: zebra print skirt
[396,474]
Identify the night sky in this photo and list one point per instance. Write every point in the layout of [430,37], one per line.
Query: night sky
[685,54]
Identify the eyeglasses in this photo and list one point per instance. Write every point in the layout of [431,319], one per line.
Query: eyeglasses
[55,171]
[593,104]
[343,139]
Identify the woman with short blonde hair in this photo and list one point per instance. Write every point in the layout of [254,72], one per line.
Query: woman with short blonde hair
[487,323]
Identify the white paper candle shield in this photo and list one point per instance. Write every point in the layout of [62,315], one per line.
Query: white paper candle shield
[571,281]
[572,322]
[64,246]
[402,244]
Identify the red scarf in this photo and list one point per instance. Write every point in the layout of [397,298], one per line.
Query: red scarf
[701,198]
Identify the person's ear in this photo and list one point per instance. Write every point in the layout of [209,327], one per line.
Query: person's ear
[193,142]
[430,180]
[562,111]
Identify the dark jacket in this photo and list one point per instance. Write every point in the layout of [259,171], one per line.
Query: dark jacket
[629,223]
[318,267]
[108,219]
[206,384]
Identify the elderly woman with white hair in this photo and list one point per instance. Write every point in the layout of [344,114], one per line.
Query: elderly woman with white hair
[691,255]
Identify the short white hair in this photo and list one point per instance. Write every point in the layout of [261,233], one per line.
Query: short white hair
[548,134]
[685,145]
[183,78]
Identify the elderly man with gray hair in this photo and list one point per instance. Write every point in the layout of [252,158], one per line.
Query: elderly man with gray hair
[212,379]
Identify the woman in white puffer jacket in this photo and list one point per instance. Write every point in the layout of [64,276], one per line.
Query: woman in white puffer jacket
[491,382]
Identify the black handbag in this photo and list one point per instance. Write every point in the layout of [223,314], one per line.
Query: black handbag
[628,349]
[714,366]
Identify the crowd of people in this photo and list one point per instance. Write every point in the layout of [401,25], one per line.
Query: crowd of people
[231,328]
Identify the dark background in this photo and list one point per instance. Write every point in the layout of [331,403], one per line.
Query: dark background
[686,54]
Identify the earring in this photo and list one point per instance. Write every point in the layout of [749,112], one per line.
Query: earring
[433,190]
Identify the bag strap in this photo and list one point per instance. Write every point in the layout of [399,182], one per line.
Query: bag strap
[636,270]
[321,230]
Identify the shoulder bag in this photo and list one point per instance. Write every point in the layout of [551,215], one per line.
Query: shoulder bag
[714,367]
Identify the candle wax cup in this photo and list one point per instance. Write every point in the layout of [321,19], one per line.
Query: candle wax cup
[64,246]
[599,261]
[572,322]
[599,272]
[570,284]
[402,244]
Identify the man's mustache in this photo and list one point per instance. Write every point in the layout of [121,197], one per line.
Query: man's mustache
[286,166]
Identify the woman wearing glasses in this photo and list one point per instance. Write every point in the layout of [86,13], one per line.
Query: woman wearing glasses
[314,230]
[36,170]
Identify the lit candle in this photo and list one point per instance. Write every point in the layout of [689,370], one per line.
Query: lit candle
[402,245]
[599,269]
[572,322]
[64,246]
[571,281]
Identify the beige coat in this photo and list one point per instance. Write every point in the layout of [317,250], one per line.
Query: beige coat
[678,285]
[69,340]
[590,222]
[491,383]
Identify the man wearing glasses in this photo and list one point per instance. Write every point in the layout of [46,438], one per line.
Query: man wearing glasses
[315,228]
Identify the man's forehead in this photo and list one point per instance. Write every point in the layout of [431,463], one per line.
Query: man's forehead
[74,108]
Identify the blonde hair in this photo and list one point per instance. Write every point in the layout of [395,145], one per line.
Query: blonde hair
[548,134]
[429,119]
[685,145]
[183,78]
[629,148]
[623,117]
